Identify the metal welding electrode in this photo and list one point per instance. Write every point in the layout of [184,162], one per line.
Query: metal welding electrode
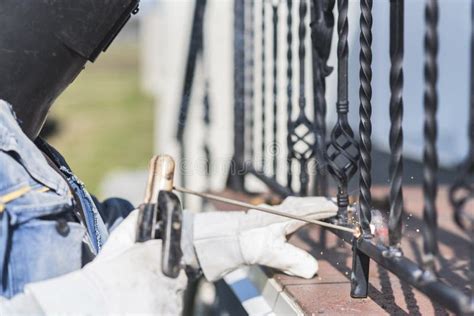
[356,231]
[165,171]
[160,177]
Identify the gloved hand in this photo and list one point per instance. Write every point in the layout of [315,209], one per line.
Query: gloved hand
[224,241]
[124,278]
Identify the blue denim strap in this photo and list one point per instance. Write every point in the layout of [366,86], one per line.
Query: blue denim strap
[4,238]
[95,225]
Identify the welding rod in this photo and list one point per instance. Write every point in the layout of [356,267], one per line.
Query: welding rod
[165,164]
[355,231]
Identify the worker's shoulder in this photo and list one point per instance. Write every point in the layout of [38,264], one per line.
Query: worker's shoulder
[21,162]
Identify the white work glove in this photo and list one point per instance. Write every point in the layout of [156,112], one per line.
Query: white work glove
[125,278]
[225,241]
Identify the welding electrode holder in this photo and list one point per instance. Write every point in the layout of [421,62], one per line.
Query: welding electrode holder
[161,216]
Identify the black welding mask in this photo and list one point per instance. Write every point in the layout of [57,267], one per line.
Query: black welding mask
[44,45]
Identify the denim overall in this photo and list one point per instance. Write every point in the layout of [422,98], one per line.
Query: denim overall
[34,245]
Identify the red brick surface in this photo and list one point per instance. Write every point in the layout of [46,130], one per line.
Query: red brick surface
[328,292]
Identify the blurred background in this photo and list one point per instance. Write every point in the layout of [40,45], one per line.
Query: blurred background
[125,107]
[103,123]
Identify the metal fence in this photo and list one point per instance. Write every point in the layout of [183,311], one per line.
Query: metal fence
[338,155]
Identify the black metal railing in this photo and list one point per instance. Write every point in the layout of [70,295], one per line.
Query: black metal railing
[338,153]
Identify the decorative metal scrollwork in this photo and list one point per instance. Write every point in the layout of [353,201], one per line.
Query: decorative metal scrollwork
[301,133]
[343,151]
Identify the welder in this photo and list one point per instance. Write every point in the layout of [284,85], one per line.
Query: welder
[56,254]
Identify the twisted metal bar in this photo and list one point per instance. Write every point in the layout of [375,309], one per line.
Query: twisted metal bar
[430,156]
[207,123]
[207,136]
[343,150]
[263,85]
[302,119]
[274,150]
[322,25]
[301,134]
[289,91]
[396,129]
[342,52]
[302,55]
[206,118]
[194,51]
[250,68]
[365,111]
[360,261]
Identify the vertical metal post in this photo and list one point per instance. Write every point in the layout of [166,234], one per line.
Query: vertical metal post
[360,261]
[301,133]
[322,24]
[194,51]
[343,150]
[235,180]
[342,57]
[430,155]
[322,28]
[365,111]
[274,149]
[360,272]
[206,118]
[304,177]
[396,129]
[263,87]
[460,216]
[289,91]
[469,169]
[250,68]
[207,136]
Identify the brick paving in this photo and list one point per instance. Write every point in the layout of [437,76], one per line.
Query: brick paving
[329,292]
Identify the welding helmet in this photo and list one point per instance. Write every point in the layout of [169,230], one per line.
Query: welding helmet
[44,45]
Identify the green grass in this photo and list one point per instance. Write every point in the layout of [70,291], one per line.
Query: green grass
[106,122]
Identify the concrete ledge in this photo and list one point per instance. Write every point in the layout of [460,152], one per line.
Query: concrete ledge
[260,294]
